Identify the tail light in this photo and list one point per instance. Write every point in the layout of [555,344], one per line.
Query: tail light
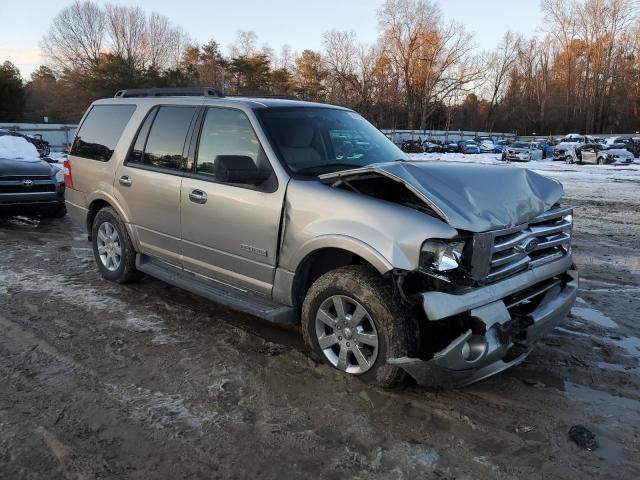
[68,179]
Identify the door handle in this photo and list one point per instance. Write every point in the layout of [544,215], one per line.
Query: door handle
[198,196]
[125,181]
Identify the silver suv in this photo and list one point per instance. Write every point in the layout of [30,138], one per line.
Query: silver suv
[298,212]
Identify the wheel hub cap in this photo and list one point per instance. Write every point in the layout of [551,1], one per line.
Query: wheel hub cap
[109,246]
[346,334]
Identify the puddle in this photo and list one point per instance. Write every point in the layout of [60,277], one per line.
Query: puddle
[616,367]
[586,312]
[629,344]
[608,405]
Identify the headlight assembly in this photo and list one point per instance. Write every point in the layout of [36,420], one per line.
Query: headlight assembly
[441,255]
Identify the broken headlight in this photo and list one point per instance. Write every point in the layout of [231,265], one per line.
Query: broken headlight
[441,255]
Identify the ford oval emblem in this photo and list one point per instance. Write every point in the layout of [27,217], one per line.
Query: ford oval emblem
[27,183]
[529,245]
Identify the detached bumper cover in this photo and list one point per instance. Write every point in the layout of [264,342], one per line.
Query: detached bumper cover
[471,358]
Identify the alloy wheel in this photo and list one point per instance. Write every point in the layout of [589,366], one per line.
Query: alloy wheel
[346,334]
[109,246]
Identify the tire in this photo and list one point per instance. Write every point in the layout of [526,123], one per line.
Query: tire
[396,327]
[125,270]
[568,159]
[600,161]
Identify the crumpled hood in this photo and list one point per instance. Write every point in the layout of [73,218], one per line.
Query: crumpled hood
[476,198]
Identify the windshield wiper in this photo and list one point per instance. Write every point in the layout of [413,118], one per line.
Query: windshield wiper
[328,165]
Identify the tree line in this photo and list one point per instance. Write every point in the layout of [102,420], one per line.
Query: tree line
[424,72]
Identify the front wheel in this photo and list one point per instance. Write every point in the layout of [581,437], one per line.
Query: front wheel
[568,159]
[112,248]
[354,321]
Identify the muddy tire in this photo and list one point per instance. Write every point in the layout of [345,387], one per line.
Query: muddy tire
[112,248]
[370,307]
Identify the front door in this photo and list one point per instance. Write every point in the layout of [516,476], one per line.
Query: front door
[589,154]
[230,231]
[148,183]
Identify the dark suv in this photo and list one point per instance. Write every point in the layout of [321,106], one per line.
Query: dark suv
[29,186]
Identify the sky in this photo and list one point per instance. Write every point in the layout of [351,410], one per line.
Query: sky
[300,24]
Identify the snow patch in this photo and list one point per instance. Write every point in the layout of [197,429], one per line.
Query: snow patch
[17,148]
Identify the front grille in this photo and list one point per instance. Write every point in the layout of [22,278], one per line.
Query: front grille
[13,178]
[46,187]
[501,253]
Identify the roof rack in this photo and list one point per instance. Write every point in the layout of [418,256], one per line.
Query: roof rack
[169,92]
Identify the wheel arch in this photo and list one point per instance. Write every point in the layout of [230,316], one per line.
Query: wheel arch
[97,203]
[324,259]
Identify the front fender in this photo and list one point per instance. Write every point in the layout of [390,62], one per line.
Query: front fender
[387,235]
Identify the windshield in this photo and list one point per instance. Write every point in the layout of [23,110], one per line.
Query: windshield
[520,145]
[313,141]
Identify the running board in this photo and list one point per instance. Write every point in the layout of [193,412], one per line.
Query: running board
[221,293]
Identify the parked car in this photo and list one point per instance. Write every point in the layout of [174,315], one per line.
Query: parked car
[448,272]
[499,146]
[522,152]
[628,143]
[28,184]
[596,153]
[42,146]
[487,146]
[451,147]
[468,147]
[546,146]
[412,146]
[432,146]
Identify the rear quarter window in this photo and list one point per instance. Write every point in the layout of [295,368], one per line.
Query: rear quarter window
[101,130]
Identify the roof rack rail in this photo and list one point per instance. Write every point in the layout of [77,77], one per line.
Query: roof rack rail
[169,92]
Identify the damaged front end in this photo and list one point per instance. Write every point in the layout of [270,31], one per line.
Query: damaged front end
[507,279]
[502,331]
[512,287]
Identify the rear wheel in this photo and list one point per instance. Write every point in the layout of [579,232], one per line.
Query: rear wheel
[112,248]
[353,320]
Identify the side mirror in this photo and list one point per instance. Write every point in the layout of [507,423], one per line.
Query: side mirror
[239,169]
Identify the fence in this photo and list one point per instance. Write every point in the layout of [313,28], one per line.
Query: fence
[58,135]
[399,136]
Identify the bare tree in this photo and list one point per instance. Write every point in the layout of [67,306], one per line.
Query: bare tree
[245,44]
[76,37]
[127,30]
[159,41]
[500,63]
[429,55]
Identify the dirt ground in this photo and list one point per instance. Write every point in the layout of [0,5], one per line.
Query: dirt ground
[146,381]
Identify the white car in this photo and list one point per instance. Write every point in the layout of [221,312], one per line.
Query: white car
[598,154]
[521,152]
[487,146]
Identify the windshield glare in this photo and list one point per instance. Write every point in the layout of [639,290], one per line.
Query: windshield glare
[313,141]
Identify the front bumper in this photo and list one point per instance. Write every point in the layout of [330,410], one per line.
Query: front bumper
[507,339]
[25,203]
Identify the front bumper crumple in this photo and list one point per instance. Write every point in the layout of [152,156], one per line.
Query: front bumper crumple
[470,358]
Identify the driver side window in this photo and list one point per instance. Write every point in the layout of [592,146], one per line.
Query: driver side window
[226,132]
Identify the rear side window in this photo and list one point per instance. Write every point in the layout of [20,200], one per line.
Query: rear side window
[165,143]
[101,130]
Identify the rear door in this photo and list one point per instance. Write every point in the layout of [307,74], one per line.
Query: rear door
[148,182]
[93,148]
[230,231]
